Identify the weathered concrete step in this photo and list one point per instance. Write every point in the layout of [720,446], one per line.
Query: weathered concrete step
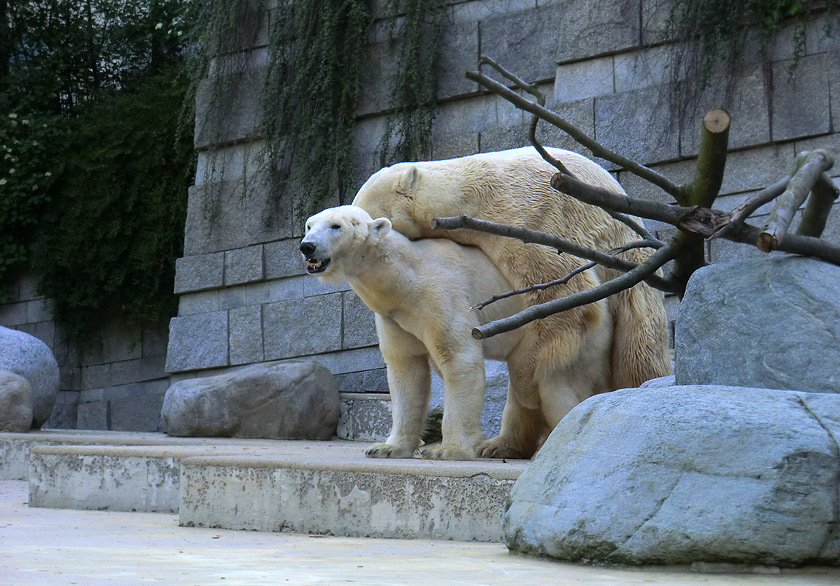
[308,487]
[356,497]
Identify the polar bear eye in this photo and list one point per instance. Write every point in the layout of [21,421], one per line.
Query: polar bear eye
[336,226]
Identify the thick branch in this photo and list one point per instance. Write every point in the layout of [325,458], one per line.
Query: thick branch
[641,273]
[595,147]
[617,202]
[565,279]
[795,244]
[561,244]
[818,207]
[810,167]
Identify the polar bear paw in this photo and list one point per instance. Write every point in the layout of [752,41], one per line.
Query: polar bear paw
[388,451]
[500,447]
[445,452]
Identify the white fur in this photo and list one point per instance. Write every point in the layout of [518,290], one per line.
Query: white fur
[421,292]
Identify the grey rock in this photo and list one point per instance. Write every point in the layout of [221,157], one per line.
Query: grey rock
[15,403]
[662,381]
[30,358]
[289,400]
[770,323]
[676,475]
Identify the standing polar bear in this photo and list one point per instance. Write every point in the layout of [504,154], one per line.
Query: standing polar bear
[513,187]
[421,292]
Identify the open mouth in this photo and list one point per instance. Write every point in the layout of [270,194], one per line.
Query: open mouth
[316,266]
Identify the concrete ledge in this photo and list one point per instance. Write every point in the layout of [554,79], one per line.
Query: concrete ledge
[362,498]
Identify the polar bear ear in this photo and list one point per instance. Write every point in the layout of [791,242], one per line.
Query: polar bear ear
[408,180]
[379,228]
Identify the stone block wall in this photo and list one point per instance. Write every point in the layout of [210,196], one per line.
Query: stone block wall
[116,382]
[244,295]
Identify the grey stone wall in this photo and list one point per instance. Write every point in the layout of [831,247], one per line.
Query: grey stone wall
[244,297]
[116,382]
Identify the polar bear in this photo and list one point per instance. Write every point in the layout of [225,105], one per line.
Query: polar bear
[421,292]
[513,187]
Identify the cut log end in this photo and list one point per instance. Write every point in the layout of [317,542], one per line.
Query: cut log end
[476,333]
[767,242]
[717,121]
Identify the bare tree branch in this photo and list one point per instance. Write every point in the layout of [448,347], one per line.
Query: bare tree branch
[641,273]
[597,148]
[746,209]
[561,244]
[616,202]
[591,264]
[818,207]
[810,166]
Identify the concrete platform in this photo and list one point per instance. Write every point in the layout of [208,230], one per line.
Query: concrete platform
[325,488]
[50,547]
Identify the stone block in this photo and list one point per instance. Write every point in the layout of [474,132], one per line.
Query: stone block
[63,417]
[580,113]
[584,79]
[364,381]
[229,107]
[155,338]
[232,297]
[13,314]
[283,259]
[356,360]
[359,327]
[142,369]
[643,68]
[244,265]
[203,271]
[312,286]
[746,102]
[285,289]
[239,163]
[800,100]
[203,302]
[584,27]
[137,407]
[253,19]
[291,400]
[459,54]
[627,123]
[121,341]
[246,335]
[96,376]
[377,68]
[455,131]
[311,325]
[770,323]
[684,474]
[473,11]
[654,21]
[28,288]
[501,125]
[524,42]
[198,341]
[93,415]
[70,378]
[27,356]
[39,310]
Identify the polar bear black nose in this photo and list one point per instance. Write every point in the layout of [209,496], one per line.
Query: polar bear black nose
[307,248]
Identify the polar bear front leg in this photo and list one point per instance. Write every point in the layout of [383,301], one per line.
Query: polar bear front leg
[463,400]
[410,385]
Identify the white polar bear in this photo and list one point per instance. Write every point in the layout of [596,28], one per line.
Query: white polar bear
[421,292]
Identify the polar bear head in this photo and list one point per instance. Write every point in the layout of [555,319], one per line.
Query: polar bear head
[336,239]
[411,195]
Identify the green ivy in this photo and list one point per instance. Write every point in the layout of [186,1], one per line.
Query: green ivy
[115,225]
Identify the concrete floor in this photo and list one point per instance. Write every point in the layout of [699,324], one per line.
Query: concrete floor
[57,547]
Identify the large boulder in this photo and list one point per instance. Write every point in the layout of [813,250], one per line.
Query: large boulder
[770,323]
[288,400]
[676,475]
[30,358]
[15,403]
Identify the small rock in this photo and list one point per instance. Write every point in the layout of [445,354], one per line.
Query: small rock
[771,323]
[15,403]
[684,474]
[288,400]
[30,358]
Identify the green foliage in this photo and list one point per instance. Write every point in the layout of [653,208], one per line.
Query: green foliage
[109,241]
[26,174]
[311,95]
[408,133]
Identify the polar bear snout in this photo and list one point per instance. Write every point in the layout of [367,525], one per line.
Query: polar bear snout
[314,264]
